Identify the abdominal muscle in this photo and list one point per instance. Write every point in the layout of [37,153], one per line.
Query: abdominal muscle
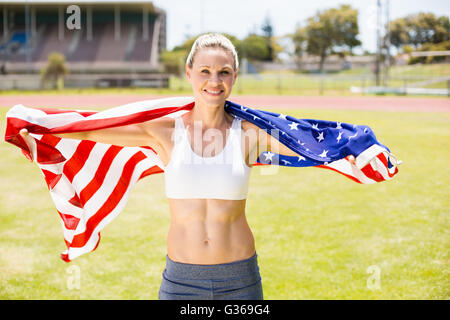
[209,231]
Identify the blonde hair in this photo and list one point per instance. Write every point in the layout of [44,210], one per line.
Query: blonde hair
[212,40]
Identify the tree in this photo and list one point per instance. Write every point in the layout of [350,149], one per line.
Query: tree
[442,30]
[299,39]
[419,29]
[267,30]
[255,47]
[331,30]
[427,28]
[347,29]
[55,70]
[173,61]
[398,32]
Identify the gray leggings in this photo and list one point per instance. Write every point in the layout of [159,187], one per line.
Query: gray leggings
[239,280]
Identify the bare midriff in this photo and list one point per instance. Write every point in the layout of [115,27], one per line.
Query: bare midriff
[209,231]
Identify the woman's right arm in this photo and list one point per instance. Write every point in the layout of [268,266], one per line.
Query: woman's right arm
[133,135]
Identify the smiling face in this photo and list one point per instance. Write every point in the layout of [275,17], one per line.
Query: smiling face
[212,76]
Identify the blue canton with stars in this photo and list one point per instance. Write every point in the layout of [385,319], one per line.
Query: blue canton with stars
[317,142]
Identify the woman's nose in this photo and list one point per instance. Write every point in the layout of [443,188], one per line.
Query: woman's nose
[215,78]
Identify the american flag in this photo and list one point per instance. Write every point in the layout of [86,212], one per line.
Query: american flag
[90,182]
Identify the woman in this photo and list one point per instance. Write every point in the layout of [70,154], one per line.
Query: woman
[210,247]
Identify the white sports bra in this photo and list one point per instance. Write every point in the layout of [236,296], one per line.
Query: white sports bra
[223,176]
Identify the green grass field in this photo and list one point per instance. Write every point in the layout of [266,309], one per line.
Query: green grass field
[317,233]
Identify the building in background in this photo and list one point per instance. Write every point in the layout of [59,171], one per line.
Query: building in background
[105,43]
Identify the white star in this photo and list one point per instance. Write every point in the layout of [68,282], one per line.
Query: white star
[315,126]
[269,156]
[243,108]
[340,136]
[320,137]
[300,158]
[285,162]
[323,154]
[293,125]
[353,136]
[282,116]
[255,117]
[338,126]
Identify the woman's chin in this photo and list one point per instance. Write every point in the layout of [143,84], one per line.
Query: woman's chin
[212,99]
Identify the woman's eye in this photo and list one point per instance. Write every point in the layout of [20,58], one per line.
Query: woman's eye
[205,71]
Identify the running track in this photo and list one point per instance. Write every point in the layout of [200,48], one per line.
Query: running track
[392,104]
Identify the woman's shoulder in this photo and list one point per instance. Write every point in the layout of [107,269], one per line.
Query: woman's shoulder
[159,126]
[161,122]
[247,125]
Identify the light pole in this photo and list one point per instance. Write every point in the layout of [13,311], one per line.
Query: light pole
[202,16]
[387,44]
[377,65]
[27,36]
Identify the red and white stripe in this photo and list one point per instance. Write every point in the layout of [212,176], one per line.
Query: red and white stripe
[371,166]
[89,182]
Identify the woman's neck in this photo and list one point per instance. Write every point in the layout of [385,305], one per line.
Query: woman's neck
[210,116]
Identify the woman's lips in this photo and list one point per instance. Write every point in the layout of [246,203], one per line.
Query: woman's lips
[213,92]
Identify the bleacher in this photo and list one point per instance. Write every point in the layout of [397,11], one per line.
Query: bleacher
[140,52]
[47,42]
[113,49]
[114,38]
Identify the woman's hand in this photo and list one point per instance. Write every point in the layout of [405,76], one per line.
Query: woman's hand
[23,132]
[351,159]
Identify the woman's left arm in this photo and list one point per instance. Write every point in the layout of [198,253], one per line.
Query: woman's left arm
[266,142]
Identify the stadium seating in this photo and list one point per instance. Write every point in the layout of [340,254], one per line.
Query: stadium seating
[76,47]
[142,48]
[104,46]
[50,43]
[112,49]
[103,57]
[15,46]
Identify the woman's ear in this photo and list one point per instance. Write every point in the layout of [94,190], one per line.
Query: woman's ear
[235,75]
[188,72]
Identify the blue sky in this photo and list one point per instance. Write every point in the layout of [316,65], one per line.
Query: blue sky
[239,17]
